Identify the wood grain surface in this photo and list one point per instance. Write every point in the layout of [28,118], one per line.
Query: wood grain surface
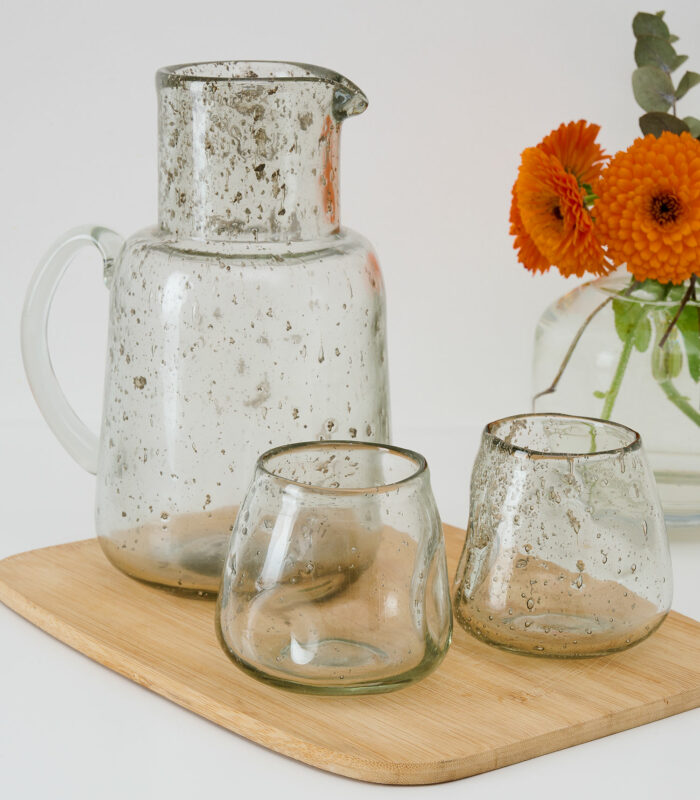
[482,709]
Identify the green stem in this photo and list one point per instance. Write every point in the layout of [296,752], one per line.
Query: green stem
[614,389]
[594,437]
[679,401]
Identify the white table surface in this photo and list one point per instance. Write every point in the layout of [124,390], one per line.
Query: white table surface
[70,728]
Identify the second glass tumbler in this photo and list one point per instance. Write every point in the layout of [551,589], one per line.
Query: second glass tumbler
[566,551]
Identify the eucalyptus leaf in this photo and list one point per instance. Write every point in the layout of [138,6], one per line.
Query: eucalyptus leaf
[657,122]
[686,83]
[672,38]
[689,326]
[600,395]
[653,89]
[650,25]
[693,126]
[679,60]
[655,52]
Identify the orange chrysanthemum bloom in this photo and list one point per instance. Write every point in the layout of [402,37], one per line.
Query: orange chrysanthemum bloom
[649,209]
[574,144]
[548,217]
[528,254]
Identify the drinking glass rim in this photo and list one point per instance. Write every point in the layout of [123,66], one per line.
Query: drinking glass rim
[418,460]
[634,444]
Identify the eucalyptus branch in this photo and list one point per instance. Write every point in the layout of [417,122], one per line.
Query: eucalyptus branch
[551,389]
[686,297]
[569,353]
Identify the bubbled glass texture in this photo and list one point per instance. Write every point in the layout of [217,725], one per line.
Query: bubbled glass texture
[247,319]
[336,579]
[566,551]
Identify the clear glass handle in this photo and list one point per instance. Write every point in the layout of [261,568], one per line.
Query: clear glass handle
[70,430]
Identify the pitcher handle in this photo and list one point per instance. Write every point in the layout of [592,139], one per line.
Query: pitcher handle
[68,428]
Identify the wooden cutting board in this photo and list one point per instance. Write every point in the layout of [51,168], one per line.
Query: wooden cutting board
[482,709]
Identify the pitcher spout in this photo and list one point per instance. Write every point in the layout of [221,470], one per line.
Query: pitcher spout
[348,100]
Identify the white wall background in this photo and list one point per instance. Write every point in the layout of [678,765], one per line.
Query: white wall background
[457,90]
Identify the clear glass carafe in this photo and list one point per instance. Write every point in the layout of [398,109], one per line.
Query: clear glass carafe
[247,318]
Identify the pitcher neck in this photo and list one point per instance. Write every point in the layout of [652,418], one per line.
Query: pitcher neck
[249,150]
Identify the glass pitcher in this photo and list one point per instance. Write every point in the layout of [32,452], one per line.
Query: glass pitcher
[247,318]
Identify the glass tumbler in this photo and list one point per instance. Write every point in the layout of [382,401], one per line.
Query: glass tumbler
[566,551]
[336,580]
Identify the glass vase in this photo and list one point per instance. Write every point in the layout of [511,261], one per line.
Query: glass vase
[597,354]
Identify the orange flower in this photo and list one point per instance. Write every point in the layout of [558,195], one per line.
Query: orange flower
[649,210]
[528,254]
[549,219]
[576,148]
